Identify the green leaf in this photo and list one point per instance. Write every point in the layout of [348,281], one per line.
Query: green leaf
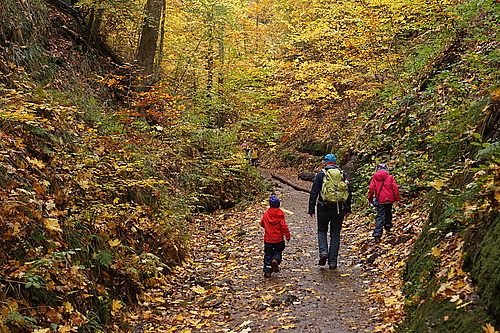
[105,258]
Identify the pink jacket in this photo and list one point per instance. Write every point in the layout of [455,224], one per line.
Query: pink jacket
[275,226]
[383,187]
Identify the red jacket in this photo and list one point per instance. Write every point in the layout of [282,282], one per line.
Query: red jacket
[383,187]
[275,226]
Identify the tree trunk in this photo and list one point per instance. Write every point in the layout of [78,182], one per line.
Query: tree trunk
[159,58]
[146,51]
[84,33]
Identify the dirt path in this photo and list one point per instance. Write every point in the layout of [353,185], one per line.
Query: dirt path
[330,300]
[222,288]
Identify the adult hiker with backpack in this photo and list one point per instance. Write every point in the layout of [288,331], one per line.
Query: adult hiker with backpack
[382,194]
[331,195]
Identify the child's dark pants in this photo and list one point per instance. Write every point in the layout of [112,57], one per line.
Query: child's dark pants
[272,251]
[383,220]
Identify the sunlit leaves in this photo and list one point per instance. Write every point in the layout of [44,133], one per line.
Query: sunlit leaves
[116,306]
[495,95]
[52,225]
[438,184]
[114,242]
[489,329]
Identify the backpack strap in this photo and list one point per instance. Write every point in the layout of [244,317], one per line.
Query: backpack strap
[380,191]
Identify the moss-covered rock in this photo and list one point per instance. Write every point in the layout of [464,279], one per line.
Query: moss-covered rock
[483,261]
[426,307]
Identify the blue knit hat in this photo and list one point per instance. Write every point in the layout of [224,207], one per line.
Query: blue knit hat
[330,158]
[381,166]
[274,201]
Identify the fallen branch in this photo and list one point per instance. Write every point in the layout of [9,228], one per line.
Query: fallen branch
[289,183]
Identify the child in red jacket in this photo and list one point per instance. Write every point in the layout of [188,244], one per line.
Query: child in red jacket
[276,230]
[382,194]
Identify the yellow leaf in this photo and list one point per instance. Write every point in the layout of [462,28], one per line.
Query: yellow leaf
[468,206]
[287,327]
[52,225]
[36,162]
[17,228]
[64,329]
[114,243]
[391,300]
[116,306]
[437,184]
[84,184]
[116,200]
[489,329]
[41,330]
[12,305]
[311,290]
[435,252]
[287,211]
[68,307]
[50,205]
[198,289]
[497,195]
[495,94]
[74,269]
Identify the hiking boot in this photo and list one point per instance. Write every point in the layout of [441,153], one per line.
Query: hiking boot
[267,274]
[323,259]
[377,239]
[274,263]
[334,266]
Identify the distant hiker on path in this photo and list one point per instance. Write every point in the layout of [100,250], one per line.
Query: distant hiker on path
[275,231]
[332,192]
[244,147]
[382,194]
[254,156]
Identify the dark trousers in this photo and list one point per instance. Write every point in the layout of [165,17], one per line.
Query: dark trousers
[272,251]
[383,220]
[329,218]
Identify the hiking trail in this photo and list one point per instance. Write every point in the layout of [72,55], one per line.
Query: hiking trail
[222,288]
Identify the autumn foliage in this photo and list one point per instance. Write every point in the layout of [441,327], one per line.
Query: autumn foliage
[101,174]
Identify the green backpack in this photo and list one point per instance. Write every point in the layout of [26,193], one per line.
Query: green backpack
[334,188]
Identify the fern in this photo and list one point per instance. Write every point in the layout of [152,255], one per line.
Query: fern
[105,258]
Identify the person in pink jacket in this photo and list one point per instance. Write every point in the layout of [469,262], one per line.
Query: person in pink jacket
[275,232]
[382,194]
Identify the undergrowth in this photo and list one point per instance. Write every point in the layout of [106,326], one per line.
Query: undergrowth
[97,193]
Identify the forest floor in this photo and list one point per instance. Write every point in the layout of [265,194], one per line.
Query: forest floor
[221,288]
